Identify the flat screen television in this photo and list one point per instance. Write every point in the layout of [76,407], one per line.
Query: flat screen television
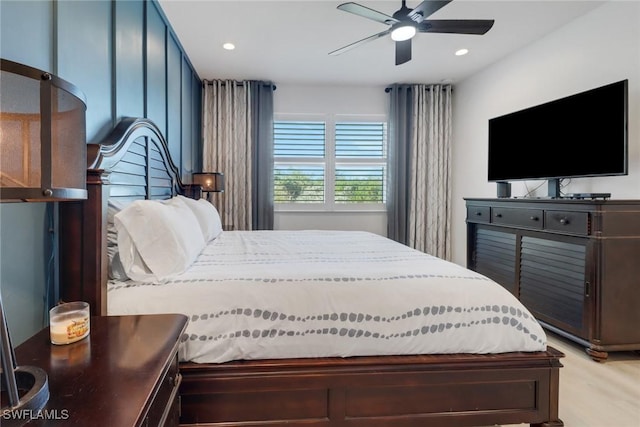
[582,135]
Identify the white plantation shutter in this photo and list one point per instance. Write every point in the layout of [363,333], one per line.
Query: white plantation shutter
[299,151]
[298,183]
[343,166]
[299,140]
[361,154]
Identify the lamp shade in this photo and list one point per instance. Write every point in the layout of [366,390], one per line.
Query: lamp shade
[210,181]
[43,151]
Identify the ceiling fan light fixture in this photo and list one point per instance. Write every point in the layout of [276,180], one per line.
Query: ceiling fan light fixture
[406,22]
[403,32]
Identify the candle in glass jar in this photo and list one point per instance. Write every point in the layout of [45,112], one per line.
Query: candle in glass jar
[69,322]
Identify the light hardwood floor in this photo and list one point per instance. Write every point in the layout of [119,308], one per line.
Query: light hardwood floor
[596,394]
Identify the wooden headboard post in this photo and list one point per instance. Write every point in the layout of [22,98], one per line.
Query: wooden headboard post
[82,242]
[131,163]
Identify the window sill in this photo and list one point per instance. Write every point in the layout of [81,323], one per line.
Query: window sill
[331,211]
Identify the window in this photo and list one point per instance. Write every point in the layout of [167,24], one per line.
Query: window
[330,165]
[299,171]
[360,151]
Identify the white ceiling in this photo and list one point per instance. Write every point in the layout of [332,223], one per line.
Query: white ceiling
[289,41]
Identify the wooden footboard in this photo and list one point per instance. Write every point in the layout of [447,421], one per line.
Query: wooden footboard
[429,390]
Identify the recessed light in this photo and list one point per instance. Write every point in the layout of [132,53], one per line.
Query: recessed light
[461,52]
[229,46]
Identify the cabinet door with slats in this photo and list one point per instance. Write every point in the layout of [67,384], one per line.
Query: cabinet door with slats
[495,257]
[552,282]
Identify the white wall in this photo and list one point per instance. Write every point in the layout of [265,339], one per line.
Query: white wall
[600,47]
[323,100]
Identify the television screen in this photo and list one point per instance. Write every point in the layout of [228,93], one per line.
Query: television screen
[577,136]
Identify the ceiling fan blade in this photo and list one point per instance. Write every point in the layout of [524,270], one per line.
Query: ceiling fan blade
[403,51]
[359,42]
[426,9]
[358,9]
[456,26]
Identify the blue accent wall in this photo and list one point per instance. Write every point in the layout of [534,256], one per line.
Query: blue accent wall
[174,90]
[27,41]
[128,62]
[156,71]
[187,114]
[129,67]
[83,52]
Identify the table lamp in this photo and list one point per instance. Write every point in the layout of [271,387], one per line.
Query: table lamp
[211,182]
[42,159]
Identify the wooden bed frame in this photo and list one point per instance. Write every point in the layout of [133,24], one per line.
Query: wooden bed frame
[394,391]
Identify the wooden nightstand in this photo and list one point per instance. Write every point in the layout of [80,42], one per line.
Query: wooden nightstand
[125,373]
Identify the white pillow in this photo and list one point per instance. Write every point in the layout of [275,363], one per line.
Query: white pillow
[116,270]
[136,268]
[166,236]
[208,217]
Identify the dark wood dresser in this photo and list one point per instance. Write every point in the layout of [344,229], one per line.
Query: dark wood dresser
[125,373]
[575,264]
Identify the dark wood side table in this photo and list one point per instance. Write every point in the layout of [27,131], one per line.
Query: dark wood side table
[125,373]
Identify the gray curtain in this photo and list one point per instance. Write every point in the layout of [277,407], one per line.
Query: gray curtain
[400,130]
[419,196]
[261,100]
[227,149]
[237,135]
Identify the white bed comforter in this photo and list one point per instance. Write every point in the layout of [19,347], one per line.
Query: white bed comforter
[281,294]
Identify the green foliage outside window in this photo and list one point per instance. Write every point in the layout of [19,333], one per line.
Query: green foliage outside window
[296,186]
[293,186]
[358,190]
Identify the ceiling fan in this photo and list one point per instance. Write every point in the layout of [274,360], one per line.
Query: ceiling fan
[405,22]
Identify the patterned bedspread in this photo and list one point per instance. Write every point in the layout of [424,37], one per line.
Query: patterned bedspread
[281,294]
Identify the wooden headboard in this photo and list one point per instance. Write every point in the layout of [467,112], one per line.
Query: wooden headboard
[131,163]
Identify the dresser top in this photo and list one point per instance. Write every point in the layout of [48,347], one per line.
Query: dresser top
[561,203]
[548,200]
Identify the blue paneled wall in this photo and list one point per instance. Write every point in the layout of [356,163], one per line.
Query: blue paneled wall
[126,59]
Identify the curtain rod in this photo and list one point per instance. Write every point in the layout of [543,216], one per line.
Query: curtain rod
[210,83]
[389,88]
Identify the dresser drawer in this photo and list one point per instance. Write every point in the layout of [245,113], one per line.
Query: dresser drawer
[567,222]
[161,411]
[478,214]
[529,218]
